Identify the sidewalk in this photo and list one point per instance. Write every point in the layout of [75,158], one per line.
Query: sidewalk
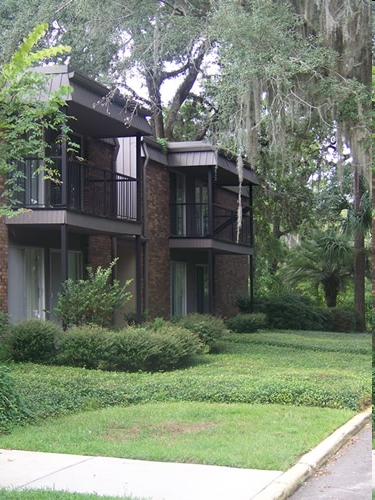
[169,481]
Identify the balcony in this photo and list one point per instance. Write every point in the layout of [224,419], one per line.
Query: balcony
[192,220]
[90,190]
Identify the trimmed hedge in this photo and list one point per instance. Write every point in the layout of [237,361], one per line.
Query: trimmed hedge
[131,349]
[33,340]
[210,329]
[246,323]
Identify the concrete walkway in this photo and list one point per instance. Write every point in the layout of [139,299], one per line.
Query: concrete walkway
[166,481]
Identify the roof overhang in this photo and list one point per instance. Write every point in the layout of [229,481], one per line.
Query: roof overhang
[183,156]
[95,110]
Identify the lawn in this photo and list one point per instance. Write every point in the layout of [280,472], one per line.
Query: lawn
[265,400]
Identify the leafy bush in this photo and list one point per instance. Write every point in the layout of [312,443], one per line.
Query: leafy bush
[209,329]
[33,340]
[246,323]
[12,409]
[91,301]
[243,304]
[4,324]
[131,349]
[293,312]
[342,320]
[83,347]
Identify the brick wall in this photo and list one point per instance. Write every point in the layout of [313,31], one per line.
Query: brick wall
[99,251]
[231,273]
[158,224]
[3,266]
[3,258]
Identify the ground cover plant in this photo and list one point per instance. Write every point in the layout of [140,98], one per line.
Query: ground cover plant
[298,374]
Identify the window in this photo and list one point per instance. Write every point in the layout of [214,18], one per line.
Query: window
[178,289]
[202,289]
[26,295]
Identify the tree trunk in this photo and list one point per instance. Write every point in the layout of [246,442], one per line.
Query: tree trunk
[359,257]
[331,286]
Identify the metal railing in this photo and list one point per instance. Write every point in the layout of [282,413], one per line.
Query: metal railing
[89,189]
[191,220]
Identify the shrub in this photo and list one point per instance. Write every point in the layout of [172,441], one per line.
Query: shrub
[83,347]
[91,301]
[131,349]
[12,409]
[342,320]
[293,312]
[243,304]
[209,329]
[33,340]
[246,323]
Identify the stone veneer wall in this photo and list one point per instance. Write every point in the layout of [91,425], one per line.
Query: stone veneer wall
[157,234]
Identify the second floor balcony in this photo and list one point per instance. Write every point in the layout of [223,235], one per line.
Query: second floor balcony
[83,188]
[196,220]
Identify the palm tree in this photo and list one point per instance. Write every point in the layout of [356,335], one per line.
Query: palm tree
[326,259]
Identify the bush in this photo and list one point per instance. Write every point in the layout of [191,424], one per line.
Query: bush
[91,301]
[131,349]
[209,329]
[243,304]
[293,312]
[83,347]
[246,323]
[342,320]
[33,340]
[12,409]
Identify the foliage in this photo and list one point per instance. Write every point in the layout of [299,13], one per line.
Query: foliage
[292,312]
[131,349]
[342,320]
[91,301]
[33,340]
[209,328]
[246,323]
[301,368]
[4,324]
[24,115]
[12,409]
[83,346]
[325,259]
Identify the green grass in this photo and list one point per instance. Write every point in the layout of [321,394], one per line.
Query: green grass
[236,435]
[264,401]
[57,495]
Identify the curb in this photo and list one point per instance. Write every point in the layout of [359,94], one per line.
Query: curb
[286,484]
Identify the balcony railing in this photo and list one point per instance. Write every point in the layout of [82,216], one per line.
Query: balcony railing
[89,189]
[191,220]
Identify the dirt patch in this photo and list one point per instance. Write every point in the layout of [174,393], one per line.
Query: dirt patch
[118,433]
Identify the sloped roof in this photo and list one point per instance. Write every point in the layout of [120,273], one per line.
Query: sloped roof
[98,111]
[197,154]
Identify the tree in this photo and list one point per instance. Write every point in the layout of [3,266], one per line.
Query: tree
[24,115]
[156,41]
[325,259]
[301,64]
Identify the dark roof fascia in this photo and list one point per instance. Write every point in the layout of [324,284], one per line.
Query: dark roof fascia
[154,151]
[91,84]
[215,157]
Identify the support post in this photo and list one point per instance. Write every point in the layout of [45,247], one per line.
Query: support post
[210,186]
[210,265]
[138,278]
